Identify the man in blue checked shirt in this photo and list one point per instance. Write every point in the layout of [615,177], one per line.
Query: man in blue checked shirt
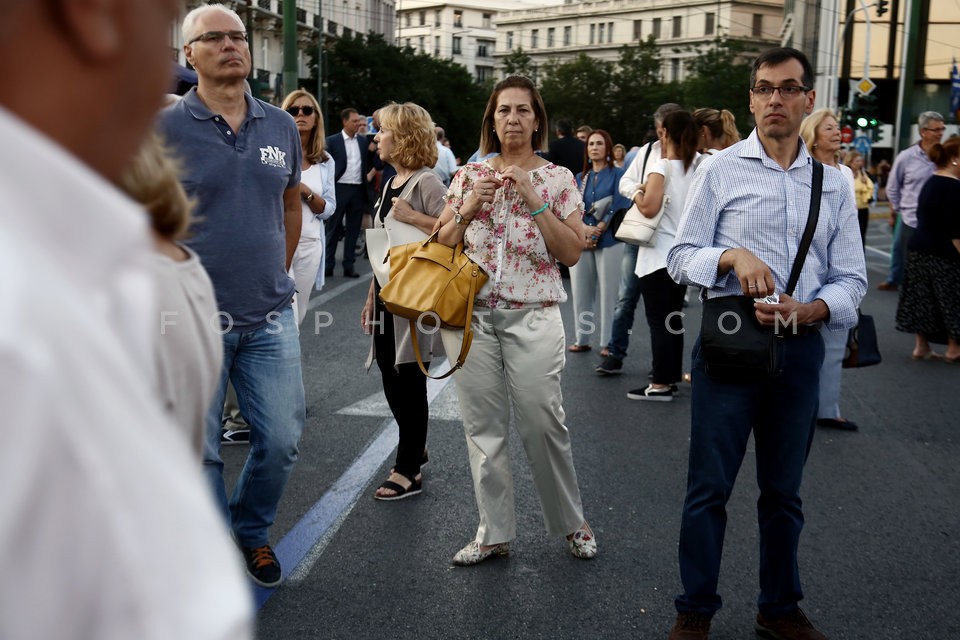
[740,232]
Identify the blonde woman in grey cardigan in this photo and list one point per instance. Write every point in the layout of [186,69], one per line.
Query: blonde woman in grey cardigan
[407,140]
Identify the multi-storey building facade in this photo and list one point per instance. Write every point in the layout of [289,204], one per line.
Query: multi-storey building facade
[464,31]
[600,27]
[264,19]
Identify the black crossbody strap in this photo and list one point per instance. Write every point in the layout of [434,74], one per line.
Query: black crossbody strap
[814,215]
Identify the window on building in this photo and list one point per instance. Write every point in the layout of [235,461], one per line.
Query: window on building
[709,27]
[637,29]
[423,18]
[265,4]
[331,27]
[677,26]
[406,19]
[301,15]
[593,33]
[423,44]
[509,40]
[487,21]
[458,19]
[551,32]
[757,25]
[347,32]
[484,74]
[408,44]
[675,70]
[601,30]
[567,36]
[534,38]
[457,45]
[484,48]
[436,18]
[609,32]
[436,45]
[656,28]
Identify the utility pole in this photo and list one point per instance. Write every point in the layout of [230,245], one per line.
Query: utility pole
[908,74]
[290,70]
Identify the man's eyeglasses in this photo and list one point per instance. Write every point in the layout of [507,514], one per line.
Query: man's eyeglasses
[939,130]
[787,92]
[295,111]
[216,36]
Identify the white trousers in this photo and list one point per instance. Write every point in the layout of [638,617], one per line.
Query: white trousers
[303,268]
[595,278]
[515,361]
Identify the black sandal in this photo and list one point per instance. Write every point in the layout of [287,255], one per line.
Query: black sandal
[401,492]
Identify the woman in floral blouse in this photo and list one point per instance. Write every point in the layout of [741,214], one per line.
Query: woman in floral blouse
[517,215]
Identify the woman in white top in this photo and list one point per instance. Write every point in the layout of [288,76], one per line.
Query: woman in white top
[821,133]
[667,184]
[317,195]
[189,349]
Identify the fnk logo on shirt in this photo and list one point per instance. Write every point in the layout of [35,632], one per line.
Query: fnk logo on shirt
[273,157]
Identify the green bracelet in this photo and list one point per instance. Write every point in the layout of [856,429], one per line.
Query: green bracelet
[534,214]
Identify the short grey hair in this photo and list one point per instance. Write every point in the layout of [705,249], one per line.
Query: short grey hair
[190,20]
[927,117]
[664,110]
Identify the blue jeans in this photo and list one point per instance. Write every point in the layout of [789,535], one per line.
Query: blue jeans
[628,295]
[781,414]
[896,255]
[264,367]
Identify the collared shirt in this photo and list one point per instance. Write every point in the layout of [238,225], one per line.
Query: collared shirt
[238,180]
[77,325]
[354,170]
[911,170]
[636,173]
[741,198]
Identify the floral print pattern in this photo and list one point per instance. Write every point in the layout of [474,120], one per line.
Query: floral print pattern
[504,239]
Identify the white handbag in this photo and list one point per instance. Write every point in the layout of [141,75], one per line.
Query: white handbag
[638,229]
[392,234]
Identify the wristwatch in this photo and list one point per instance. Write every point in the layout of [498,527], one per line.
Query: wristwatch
[309,198]
[459,219]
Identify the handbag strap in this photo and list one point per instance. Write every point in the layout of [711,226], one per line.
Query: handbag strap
[812,217]
[467,332]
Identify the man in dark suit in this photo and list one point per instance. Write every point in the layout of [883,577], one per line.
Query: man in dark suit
[566,150]
[350,155]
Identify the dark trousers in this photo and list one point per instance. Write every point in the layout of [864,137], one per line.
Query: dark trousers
[406,390]
[863,217]
[661,298]
[351,205]
[781,414]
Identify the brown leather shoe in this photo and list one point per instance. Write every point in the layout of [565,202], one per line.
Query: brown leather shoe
[690,626]
[794,626]
[887,286]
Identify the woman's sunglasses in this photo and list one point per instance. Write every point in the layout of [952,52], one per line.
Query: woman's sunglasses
[295,111]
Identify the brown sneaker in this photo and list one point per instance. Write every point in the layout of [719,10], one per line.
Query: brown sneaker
[794,626]
[690,626]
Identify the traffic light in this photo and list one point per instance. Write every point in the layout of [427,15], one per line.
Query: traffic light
[876,134]
[862,121]
[882,7]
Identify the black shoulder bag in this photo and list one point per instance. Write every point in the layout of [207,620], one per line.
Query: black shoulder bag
[734,346]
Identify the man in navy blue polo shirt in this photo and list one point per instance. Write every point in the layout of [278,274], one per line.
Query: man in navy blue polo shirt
[241,164]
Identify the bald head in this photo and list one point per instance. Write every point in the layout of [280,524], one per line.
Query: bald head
[89,75]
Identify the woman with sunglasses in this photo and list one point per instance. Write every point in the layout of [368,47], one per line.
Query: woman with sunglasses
[317,196]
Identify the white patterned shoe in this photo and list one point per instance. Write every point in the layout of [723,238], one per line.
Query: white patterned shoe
[583,543]
[471,554]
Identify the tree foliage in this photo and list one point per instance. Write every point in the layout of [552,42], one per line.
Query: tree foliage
[366,72]
[591,102]
[719,77]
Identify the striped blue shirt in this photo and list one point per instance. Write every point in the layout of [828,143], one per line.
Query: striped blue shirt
[741,198]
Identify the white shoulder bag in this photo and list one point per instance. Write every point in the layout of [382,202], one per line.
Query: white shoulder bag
[638,229]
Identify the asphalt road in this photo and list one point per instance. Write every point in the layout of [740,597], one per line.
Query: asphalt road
[879,554]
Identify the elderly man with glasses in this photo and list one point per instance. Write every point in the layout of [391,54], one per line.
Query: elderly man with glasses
[911,169]
[241,164]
